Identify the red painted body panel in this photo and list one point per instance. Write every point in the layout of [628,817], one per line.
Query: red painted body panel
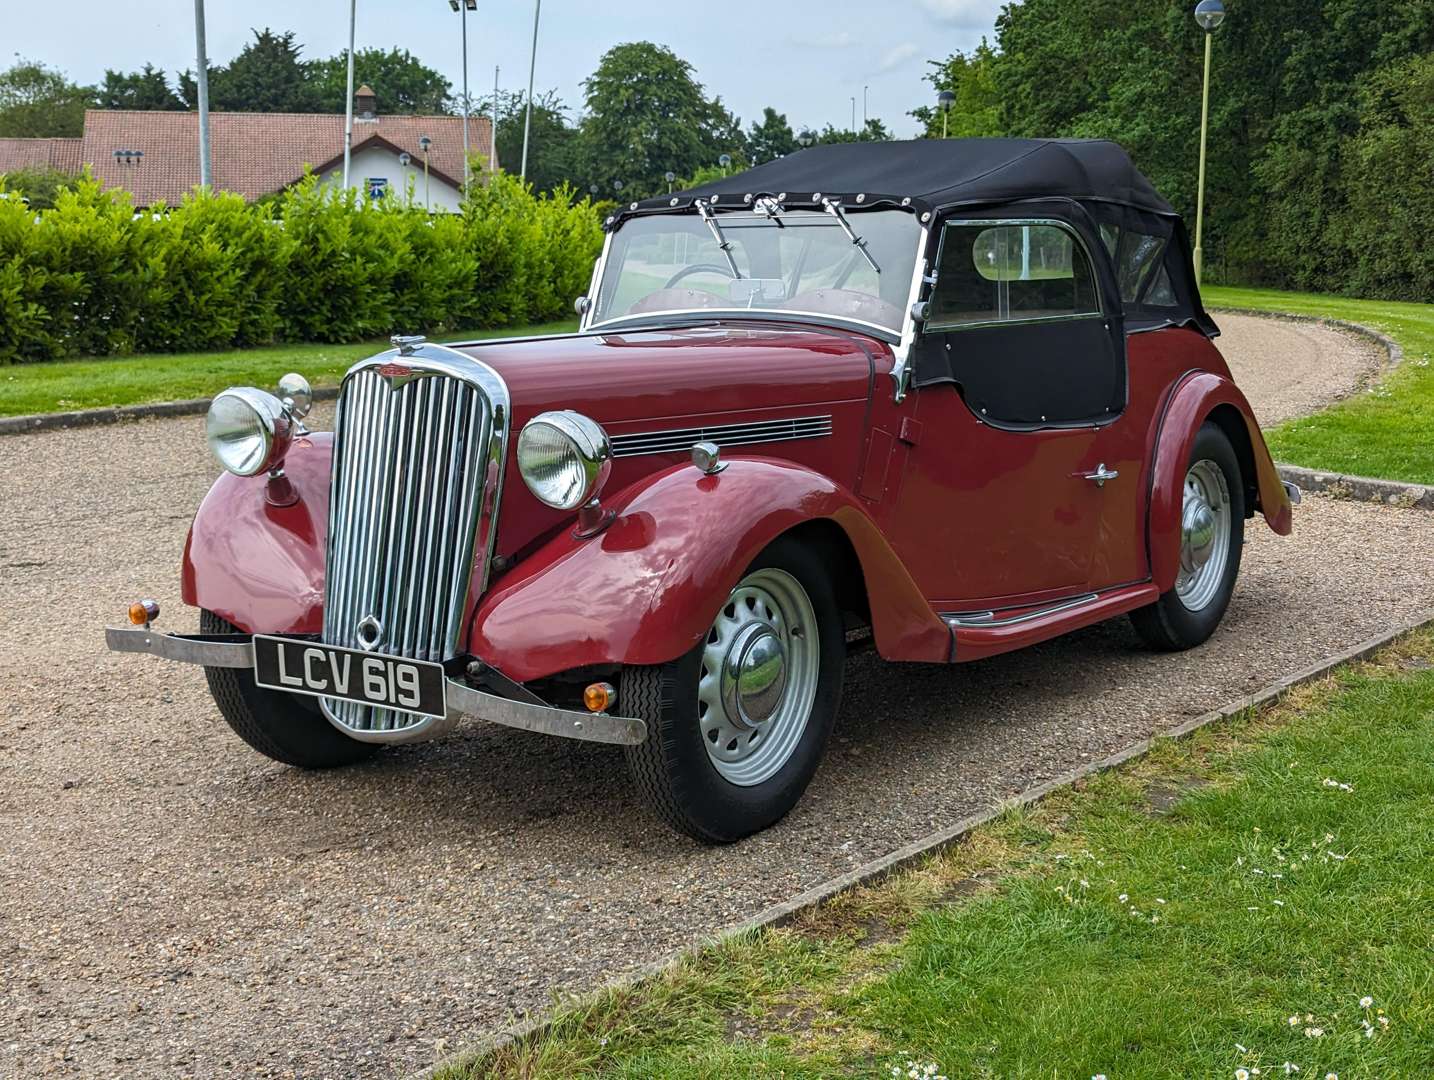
[261,566]
[945,512]
[1193,400]
[646,589]
[977,643]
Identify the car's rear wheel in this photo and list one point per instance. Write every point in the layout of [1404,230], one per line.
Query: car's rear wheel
[1212,536]
[737,726]
[285,727]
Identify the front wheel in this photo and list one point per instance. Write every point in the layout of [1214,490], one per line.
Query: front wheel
[285,727]
[737,726]
[1212,536]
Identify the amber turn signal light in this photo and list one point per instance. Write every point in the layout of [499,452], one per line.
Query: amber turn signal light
[143,612]
[599,697]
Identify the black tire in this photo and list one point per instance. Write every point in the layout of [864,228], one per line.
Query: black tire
[1169,624]
[286,727]
[672,768]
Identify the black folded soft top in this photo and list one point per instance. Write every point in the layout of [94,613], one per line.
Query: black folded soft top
[930,175]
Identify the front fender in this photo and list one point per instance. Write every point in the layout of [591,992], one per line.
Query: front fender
[1200,397]
[646,589]
[258,565]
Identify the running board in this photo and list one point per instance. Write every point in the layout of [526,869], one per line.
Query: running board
[980,634]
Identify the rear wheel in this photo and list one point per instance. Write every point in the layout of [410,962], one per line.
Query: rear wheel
[285,727]
[737,727]
[1212,536]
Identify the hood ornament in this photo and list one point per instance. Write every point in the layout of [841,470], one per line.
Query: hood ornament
[407,344]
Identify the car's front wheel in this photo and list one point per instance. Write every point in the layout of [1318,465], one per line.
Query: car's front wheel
[285,727]
[1212,537]
[737,726]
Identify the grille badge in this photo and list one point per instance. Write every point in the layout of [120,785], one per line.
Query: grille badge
[370,633]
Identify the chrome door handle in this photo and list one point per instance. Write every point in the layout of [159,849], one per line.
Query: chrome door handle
[1101,475]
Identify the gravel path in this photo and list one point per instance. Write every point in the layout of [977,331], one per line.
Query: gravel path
[1288,368]
[171,904]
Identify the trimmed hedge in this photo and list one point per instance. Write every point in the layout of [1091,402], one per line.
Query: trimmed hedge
[90,277]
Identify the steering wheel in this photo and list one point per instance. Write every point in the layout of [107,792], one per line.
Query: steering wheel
[700,268]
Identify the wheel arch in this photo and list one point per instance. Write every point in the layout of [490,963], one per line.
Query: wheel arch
[1200,396]
[647,588]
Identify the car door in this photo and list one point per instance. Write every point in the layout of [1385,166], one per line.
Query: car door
[1020,374]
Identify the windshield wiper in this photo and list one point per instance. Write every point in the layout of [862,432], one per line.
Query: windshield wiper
[723,243]
[834,209]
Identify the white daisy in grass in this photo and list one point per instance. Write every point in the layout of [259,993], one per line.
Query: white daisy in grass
[1365,1002]
[1294,1021]
[1291,1068]
[1242,1074]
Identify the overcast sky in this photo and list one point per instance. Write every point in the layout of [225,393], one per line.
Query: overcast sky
[807,60]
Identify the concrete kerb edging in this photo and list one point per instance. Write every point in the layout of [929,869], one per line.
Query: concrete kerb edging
[119,414]
[932,844]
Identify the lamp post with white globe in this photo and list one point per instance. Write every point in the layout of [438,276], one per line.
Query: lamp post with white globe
[1209,14]
[944,101]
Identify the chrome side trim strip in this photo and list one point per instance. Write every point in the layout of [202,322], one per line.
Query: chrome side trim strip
[186,650]
[984,619]
[679,440]
[462,700]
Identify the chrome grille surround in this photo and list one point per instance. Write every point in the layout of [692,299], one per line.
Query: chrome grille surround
[680,440]
[420,442]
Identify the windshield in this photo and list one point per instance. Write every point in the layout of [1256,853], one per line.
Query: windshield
[798,261]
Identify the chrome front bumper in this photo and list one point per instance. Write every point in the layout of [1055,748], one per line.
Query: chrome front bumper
[463,701]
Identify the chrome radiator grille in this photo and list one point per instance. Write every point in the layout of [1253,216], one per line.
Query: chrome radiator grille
[412,471]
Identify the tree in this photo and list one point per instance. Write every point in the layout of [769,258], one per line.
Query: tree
[874,131]
[267,76]
[144,89]
[552,143]
[401,82]
[646,115]
[39,184]
[38,102]
[772,138]
[977,109]
[1319,143]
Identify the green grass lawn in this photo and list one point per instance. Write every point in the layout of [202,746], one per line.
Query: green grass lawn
[1387,431]
[1261,893]
[130,380]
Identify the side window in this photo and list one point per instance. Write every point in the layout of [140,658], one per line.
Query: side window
[989,272]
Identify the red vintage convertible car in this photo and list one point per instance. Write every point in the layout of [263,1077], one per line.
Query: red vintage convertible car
[956,397]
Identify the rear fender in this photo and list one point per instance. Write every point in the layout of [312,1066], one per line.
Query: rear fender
[646,589]
[1200,397]
[257,565]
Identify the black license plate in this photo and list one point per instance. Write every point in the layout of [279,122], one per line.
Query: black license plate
[387,682]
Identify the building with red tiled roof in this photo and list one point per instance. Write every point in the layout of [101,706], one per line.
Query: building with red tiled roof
[155,155]
[62,155]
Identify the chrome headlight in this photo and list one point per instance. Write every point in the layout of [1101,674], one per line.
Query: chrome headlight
[564,458]
[248,430]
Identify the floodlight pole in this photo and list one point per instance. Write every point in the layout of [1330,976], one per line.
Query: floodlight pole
[1200,183]
[463,8]
[349,99]
[206,177]
[493,131]
[532,67]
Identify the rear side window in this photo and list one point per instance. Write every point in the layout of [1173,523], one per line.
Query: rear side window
[1138,259]
[1010,272]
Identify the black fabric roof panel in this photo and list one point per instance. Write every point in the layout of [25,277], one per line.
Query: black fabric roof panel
[938,173]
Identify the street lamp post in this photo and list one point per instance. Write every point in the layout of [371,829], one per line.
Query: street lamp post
[1209,14]
[424,142]
[853,114]
[349,100]
[532,67]
[944,101]
[465,6]
[726,162]
[201,80]
[669,176]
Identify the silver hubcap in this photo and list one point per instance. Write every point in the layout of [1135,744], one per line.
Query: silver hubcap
[1204,535]
[759,677]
